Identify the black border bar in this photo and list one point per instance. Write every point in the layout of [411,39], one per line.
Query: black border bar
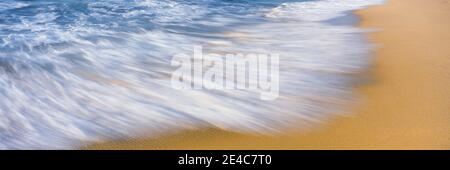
[278,158]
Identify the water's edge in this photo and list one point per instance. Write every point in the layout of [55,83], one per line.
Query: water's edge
[86,72]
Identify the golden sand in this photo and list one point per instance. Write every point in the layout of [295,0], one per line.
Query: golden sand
[407,106]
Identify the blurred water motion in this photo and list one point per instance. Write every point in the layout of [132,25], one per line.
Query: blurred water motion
[74,72]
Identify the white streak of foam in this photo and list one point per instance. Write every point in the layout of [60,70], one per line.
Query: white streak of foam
[320,10]
[12,5]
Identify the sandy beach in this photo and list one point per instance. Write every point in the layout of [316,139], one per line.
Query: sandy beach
[406,106]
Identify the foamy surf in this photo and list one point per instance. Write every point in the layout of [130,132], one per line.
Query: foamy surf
[77,72]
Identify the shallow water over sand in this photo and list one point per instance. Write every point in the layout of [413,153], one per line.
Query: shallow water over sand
[73,72]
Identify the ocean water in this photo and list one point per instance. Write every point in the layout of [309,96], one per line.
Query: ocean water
[73,72]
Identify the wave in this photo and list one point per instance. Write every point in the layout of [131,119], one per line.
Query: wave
[319,10]
[77,72]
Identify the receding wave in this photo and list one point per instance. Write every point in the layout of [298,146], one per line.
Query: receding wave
[75,72]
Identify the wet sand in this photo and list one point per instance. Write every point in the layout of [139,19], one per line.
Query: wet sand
[407,106]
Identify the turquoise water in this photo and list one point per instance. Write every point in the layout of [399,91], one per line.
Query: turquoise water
[75,72]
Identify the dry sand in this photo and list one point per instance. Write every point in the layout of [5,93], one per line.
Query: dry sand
[406,107]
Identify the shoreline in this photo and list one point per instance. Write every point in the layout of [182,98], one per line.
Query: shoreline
[407,106]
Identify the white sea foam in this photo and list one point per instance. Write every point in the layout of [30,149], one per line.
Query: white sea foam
[105,74]
[319,10]
[12,5]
